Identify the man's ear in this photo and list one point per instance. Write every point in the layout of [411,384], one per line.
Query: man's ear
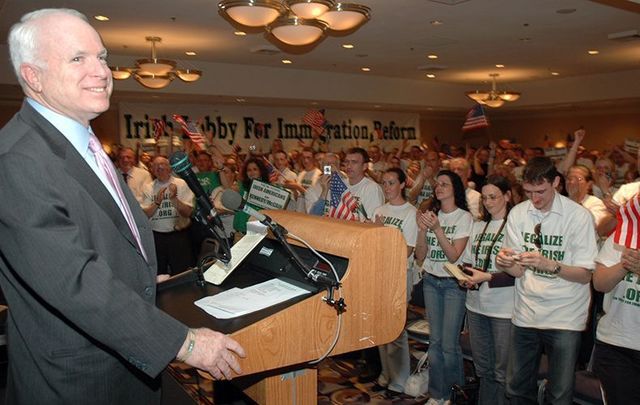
[31,76]
[556,182]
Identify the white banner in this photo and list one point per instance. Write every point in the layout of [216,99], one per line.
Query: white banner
[226,126]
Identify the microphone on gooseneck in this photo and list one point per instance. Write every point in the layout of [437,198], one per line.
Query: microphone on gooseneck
[181,166]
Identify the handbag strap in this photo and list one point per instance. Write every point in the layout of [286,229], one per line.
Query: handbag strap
[422,361]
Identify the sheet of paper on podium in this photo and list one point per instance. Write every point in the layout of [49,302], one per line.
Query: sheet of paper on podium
[240,301]
[219,271]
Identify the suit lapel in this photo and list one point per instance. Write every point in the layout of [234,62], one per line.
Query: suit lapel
[77,168]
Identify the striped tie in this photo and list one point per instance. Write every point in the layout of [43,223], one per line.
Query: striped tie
[107,168]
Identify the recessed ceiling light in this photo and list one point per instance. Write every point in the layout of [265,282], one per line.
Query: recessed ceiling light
[286,61]
[593,52]
[377,106]
[555,74]
[365,69]
[499,65]
[431,76]
[101,17]
[314,103]
[240,33]
[190,53]
[241,100]
[347,46]
[432,56]
[436,22]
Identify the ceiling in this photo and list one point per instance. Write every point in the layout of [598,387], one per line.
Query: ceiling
[531,38]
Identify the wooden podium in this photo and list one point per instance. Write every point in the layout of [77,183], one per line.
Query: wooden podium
[279,346]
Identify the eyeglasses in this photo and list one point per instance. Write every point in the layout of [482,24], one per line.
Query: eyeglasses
[440,184]
[537,240]
[575,178]
[490,197]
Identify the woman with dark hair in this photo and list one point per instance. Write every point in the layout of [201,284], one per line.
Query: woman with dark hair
[252,169]
[397,213]
[442,237]
[490,295]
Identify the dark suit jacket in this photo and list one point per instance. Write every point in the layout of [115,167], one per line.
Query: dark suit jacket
[82,326]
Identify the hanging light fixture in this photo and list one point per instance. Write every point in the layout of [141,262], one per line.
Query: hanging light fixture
[296,22]
[155,73]
[493,98]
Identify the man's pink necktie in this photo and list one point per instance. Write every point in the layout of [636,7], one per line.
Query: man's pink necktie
[107,168]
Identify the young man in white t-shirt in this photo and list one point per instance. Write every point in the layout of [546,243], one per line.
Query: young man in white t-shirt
[550,247]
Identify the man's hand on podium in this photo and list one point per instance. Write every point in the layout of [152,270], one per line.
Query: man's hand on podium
[213,352]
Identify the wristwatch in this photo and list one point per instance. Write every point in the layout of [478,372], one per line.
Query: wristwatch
[556,269]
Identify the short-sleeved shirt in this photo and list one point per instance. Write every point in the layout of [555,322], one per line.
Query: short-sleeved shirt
[494,302]
[402,217]
[167,218]
[620,325]
[544,300]
[456,225]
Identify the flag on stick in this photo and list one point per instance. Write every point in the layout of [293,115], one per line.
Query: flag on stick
[271,170]
[475,119]
[315,119]
[158,129]
[627,231]
[343,204]
[189,129]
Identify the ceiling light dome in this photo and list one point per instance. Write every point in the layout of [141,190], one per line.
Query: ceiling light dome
[309,9]
[297,31]
[493,98]
[252,13]
[346,16]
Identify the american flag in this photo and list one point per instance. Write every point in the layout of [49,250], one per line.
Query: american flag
[158,129]
[475,119]
[271,170]
[343,204]
[627,231]
[191,131]
[315,119]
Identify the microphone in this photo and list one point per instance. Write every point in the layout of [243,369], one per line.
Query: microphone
[232,200]
[205,213]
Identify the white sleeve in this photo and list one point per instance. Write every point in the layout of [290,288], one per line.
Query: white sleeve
[410,228]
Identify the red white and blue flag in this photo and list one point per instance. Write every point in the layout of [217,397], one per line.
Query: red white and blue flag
[273,173]
[627,231]
[475,119]
[315,119]
[343,204]
[158,129]
[189,129]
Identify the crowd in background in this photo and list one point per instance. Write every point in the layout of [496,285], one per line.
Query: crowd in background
[452,204]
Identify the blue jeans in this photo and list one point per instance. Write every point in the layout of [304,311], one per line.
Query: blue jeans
[444,304]
[561,347]
[490,338]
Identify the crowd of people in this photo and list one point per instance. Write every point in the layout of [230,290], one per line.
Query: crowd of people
[80,252]
[525,227]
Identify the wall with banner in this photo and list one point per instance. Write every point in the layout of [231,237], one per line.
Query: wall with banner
[253,126]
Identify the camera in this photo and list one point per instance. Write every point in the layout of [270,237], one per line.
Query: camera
[326,169]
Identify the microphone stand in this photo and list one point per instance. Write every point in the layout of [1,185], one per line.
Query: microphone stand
[315,275]
[223,252]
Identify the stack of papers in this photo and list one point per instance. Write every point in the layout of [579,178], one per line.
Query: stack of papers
[240,301]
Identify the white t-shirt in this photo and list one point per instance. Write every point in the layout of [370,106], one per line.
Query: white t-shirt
[369,195]
[425,192]
[544,300]
[596,207]
[626,192]
[308,180]
[473,202]
[620,326]
[495,302]
[167,218]
[456,225]
[402,217]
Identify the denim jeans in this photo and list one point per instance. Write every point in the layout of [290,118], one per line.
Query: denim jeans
[444,304]
[395,356]
[561,347]
[490,339]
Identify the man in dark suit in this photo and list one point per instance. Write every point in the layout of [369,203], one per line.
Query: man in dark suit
[77,261]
